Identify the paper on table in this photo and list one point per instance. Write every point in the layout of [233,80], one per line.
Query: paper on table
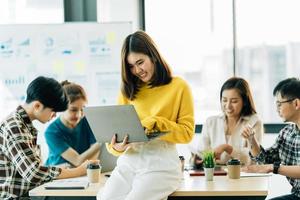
[246,174]
[67,184]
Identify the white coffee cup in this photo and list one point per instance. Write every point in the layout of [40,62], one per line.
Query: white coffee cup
[93,172]
[234,168]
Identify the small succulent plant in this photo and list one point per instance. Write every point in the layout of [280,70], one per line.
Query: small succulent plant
[208,159]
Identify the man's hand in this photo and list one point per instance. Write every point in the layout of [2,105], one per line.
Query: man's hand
[258,168]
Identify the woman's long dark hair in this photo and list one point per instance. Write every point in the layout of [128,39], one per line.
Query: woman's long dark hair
[140,42]
[242,86]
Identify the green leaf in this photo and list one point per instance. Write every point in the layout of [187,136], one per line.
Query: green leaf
[208,159]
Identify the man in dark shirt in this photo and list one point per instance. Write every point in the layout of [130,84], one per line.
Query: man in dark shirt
[284,156]
[20,164]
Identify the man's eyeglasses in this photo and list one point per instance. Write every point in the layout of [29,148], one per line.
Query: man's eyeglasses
[278,103]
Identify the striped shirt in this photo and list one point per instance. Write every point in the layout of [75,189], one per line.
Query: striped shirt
[286,150]
[20,164]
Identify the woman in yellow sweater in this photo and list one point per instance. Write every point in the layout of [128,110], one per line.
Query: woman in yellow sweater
[150,170]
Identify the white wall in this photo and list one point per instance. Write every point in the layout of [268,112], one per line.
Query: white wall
[119,11]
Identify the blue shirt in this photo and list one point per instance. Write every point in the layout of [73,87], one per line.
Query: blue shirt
[59,138]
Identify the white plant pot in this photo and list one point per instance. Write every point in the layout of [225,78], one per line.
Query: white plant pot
[209,174]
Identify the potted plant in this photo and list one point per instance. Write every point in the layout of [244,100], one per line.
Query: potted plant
[208,165]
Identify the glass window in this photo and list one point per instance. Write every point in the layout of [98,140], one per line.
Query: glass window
[195,37]
[31,11]
[268,39]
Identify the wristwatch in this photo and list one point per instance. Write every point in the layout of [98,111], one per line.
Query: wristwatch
[276,166]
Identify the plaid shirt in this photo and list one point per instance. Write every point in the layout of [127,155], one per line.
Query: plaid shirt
[285,150]
[20,168]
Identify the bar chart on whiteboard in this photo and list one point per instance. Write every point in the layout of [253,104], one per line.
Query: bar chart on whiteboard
[85,53]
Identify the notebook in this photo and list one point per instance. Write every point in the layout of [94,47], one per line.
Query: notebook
[217,172]
[67,184]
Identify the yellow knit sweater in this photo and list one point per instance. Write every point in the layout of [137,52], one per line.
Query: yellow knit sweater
[165,108]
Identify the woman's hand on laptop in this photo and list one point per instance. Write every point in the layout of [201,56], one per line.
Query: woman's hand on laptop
[119,146]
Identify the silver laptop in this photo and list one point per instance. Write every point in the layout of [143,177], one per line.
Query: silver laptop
[105,121]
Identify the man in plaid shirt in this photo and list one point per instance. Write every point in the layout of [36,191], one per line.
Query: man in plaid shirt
[20,164]
[284,155]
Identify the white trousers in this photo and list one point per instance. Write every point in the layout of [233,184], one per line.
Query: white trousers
[149,171]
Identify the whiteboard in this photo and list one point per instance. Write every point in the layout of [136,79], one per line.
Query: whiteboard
[86,53]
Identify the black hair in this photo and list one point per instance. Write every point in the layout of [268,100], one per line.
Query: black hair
[288,88]
[49,92]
